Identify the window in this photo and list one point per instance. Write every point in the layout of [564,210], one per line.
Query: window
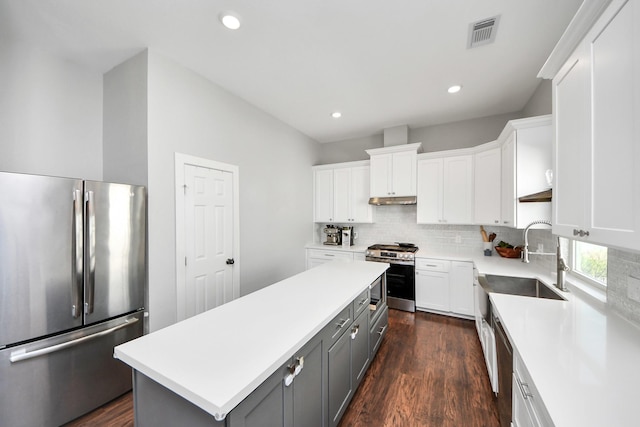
[589,262]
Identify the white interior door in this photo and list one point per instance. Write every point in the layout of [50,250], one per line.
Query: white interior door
[206,238]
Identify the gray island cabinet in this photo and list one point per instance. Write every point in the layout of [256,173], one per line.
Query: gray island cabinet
[291,354]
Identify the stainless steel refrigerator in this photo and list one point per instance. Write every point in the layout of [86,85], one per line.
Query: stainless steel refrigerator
[72,280]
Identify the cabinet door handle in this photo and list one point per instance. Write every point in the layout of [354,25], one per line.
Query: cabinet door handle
[329,254]
[354,331]
[581,233]
[362,302]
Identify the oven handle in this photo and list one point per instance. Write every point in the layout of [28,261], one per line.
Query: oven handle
[390,261]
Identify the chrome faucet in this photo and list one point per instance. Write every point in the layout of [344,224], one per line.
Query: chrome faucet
[561,266]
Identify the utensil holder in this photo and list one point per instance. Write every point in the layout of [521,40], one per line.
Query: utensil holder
[487,246]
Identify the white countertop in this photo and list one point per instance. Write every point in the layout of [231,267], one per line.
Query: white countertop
[354,248]
[217,358]
[583,358]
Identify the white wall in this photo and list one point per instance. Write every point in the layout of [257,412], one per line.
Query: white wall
[125,122]
[50,114]
[540,102]
[191,115]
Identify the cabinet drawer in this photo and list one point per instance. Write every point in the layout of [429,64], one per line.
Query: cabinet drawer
[378,331]
[329,255]
[339,324]
[528,394]
[431,264]
[361,302]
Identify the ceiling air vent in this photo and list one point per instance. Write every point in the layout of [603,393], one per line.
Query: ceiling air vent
[482,32]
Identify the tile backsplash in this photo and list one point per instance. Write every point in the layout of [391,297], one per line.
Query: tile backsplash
[398,224]
[621,266]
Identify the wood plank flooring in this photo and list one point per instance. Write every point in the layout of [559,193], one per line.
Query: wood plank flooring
[429,371]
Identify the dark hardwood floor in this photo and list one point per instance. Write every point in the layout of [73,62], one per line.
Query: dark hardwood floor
[117,413]
[429,371]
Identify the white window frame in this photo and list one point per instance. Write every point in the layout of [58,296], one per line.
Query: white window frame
[584,278]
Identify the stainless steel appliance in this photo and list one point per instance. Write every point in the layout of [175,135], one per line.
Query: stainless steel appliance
[333,235]
[378,296]
[401,292]
[72,279]
[505,373]
[347,236]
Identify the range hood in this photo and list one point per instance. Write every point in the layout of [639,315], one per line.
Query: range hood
[384,201]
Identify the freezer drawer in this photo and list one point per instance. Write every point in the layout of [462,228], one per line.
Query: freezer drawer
[53,381]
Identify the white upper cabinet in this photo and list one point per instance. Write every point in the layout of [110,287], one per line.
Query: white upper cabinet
[487,194]
[341,193]
[393,170]
[429,210]
[445,190]
[597,138]
[526,151]
[323,195]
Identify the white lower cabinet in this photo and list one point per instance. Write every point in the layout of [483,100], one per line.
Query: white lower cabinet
[444,286]
[528,408]
[316,257]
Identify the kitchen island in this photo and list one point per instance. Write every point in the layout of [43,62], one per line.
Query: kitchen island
[204,367]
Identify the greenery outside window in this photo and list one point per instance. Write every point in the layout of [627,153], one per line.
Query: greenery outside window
[589,262]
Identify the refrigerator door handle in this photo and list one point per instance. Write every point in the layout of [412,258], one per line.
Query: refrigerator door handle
[77,253]
[21,355]
[90,242]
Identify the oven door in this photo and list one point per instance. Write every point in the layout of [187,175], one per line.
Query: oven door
[401,291]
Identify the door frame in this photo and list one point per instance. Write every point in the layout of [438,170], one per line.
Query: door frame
[181,160]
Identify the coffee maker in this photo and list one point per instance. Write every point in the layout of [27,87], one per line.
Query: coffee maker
[347,236]
[333,235]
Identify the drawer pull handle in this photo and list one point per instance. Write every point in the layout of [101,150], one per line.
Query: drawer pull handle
[524,389]
[342,322]
[382,329]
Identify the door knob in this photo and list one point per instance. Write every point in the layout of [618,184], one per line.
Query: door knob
[231,261]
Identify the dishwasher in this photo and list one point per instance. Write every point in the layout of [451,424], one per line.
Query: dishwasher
[505,373]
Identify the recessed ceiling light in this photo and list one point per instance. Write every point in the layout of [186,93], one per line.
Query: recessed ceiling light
[336,114]
[454,89]
[230,20]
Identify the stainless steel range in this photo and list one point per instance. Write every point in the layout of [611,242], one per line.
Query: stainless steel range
[401,293]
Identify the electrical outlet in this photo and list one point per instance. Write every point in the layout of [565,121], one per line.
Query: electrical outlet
[458,239]
[633,288]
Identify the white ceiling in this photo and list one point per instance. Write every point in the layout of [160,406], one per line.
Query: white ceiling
[381,63]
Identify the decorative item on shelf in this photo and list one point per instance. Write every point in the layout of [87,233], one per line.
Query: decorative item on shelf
[508,251]
[487,241]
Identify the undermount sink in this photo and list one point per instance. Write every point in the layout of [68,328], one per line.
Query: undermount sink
[521,286]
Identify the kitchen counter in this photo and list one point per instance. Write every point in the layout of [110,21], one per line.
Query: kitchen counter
[583,358]
[217,358]
[354,248]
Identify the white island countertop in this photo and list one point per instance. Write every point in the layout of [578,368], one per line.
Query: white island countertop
[217,358]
